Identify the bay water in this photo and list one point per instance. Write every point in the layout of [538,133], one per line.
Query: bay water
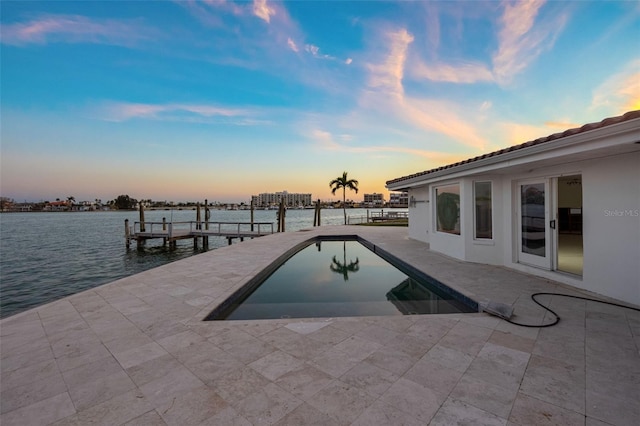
[47,256]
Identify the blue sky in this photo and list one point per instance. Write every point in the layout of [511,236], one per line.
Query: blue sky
[190,100]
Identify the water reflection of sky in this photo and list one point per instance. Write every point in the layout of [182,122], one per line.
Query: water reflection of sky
[338,278]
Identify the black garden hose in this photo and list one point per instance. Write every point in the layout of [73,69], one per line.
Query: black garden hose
[557,320]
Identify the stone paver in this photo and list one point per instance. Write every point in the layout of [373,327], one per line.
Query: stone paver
[136,352]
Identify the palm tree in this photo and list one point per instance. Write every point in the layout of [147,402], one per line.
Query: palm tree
[343,267]
[344,183]
[70,200]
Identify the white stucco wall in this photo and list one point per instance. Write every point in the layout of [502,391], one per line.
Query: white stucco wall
[611,226]
[482,250]
[420,214]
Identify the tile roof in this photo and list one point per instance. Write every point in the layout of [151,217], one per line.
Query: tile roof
[591,126]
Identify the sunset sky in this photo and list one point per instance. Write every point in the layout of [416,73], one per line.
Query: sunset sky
[190,100]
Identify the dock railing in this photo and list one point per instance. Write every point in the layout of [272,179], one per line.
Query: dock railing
[231,228]
[202,228]
[388,215]
[378,217]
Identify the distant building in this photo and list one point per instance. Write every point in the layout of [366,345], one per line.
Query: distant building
[57,206]
[22,207]
[399,199]
[274,198]
[373,200]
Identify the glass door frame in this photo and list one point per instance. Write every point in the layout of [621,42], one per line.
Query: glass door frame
[545,261]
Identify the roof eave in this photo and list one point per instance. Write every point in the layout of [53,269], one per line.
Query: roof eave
[491,162]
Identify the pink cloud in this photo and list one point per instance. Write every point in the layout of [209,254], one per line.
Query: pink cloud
[441,117]
[522,36]
[386,94]
[183,112]
[292,45]
[520,40]
[387,75]
[620,92]
[326,141]
[76,29]
[516,133]
[461,73]
[562,125]
[262,10]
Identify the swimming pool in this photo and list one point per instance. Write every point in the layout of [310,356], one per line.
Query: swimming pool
[339,277]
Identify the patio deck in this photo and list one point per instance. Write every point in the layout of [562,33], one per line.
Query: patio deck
[136,352]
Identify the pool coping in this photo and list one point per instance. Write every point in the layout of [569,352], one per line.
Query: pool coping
[253,283]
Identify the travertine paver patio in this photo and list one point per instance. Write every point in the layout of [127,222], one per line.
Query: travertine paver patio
[136,352]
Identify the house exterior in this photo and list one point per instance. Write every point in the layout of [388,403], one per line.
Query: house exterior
[565,207]
[57,206]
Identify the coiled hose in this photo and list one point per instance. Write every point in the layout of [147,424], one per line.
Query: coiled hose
[557,320]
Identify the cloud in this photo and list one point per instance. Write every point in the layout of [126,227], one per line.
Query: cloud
[387,75]
[441,116]
[292,45]
[76,29]
[432,25]
[386,94]
[520,41]
[178,112]
[468,72]
[562,125]
[314,50]
[517,133]
[262,10]
[620,92]
[522,36]
[326,141]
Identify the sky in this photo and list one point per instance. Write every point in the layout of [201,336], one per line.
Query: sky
[221,100]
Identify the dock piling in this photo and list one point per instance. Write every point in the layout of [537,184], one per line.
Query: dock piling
[127,234]
[281,213]
[142,229]
[316,215]
[164,228]
[207,216]
[252,206]
[140,242]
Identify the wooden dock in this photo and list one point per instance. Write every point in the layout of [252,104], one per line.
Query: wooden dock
[383,216]
[171,232]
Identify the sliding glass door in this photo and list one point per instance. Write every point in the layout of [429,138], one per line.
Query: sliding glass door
[534,242]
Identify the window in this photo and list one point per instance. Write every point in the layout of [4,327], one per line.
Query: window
[482,194]
[448,209]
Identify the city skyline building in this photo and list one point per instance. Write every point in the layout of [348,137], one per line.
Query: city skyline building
[267,199]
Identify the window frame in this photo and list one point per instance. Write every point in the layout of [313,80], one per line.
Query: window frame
[436,214]
[475,212]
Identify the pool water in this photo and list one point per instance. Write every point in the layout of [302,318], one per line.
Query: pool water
[338,279]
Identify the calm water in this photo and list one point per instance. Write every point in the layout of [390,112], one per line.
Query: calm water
[341,278]
[46,256]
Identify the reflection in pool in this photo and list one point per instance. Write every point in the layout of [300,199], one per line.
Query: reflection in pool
[339,279]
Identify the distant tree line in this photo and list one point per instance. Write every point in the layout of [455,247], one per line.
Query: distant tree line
[124,202]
